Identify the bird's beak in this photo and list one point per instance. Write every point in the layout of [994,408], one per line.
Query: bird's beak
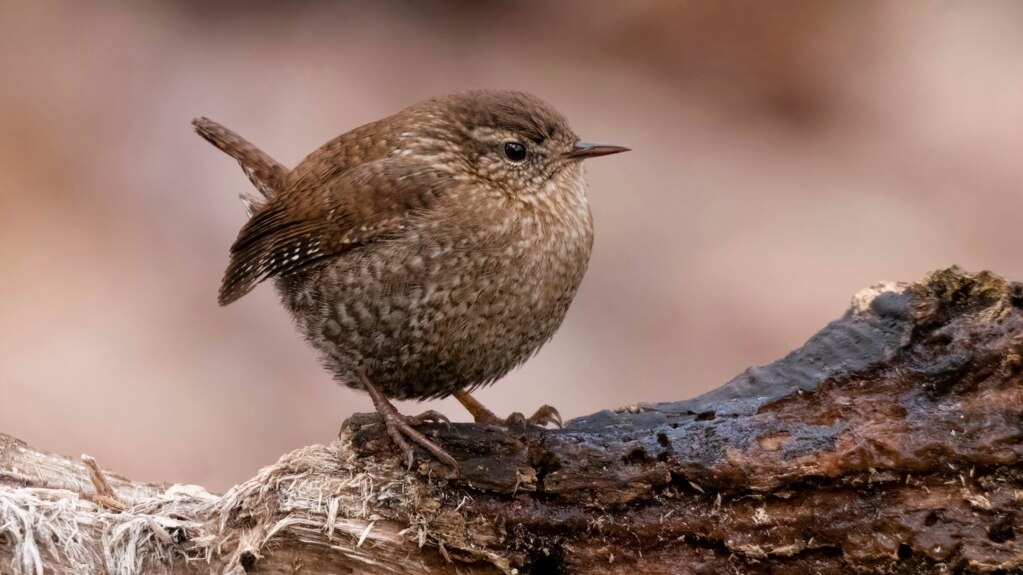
[582,150]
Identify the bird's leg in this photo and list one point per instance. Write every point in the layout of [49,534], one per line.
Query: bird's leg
[479,412]
[543,416]
[399,427]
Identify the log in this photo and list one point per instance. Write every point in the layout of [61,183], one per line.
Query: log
[891,442]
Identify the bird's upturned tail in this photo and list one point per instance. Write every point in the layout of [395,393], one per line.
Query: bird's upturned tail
[263,171]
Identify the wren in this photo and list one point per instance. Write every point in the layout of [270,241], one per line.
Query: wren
[425,254]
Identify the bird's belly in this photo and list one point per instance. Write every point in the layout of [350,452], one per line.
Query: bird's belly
[424,321]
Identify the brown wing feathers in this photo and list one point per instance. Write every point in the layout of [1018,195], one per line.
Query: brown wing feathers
[283,249]
[302,222]
[300,228]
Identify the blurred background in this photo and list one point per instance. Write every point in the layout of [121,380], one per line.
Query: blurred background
[786,155]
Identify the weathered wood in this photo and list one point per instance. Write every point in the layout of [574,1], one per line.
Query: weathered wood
[891,442]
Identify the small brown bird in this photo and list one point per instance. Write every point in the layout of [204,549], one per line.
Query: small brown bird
[425,254]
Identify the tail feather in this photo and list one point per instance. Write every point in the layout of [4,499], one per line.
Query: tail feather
[265,173]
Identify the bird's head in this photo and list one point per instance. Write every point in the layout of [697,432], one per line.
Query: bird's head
[509,140]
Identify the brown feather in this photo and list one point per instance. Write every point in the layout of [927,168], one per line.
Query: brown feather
[263,171]
[363,204]
[413,252]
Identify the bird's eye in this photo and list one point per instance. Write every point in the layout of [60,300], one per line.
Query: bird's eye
[514,151]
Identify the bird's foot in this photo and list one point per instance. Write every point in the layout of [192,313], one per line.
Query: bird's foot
[399,427]
[544,415]
[428,416]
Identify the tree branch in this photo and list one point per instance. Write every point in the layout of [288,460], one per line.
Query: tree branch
[891,442]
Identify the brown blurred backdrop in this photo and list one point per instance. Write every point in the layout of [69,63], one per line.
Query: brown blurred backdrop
[786,154]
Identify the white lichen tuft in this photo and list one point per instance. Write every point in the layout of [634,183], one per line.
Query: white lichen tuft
[45,526]
[318,496]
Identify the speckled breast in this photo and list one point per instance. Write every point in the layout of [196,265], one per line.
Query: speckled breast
[443,307]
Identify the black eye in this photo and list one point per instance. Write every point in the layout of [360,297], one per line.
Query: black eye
[515,151]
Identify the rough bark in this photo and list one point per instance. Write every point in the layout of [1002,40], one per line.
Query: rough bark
[891,442]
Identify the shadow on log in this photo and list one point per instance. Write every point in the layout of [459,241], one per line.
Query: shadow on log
[891,442]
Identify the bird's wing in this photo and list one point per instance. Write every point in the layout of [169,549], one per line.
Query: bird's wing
[302,227]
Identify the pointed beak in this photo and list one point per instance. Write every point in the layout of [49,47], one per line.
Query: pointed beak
[582,150]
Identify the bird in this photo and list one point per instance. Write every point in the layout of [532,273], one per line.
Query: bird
[425,254]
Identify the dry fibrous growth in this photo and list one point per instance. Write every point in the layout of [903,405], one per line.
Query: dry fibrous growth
[891,442]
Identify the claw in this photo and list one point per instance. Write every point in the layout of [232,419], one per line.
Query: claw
[401,431]
[403,446]
[428,416]
[545,415]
